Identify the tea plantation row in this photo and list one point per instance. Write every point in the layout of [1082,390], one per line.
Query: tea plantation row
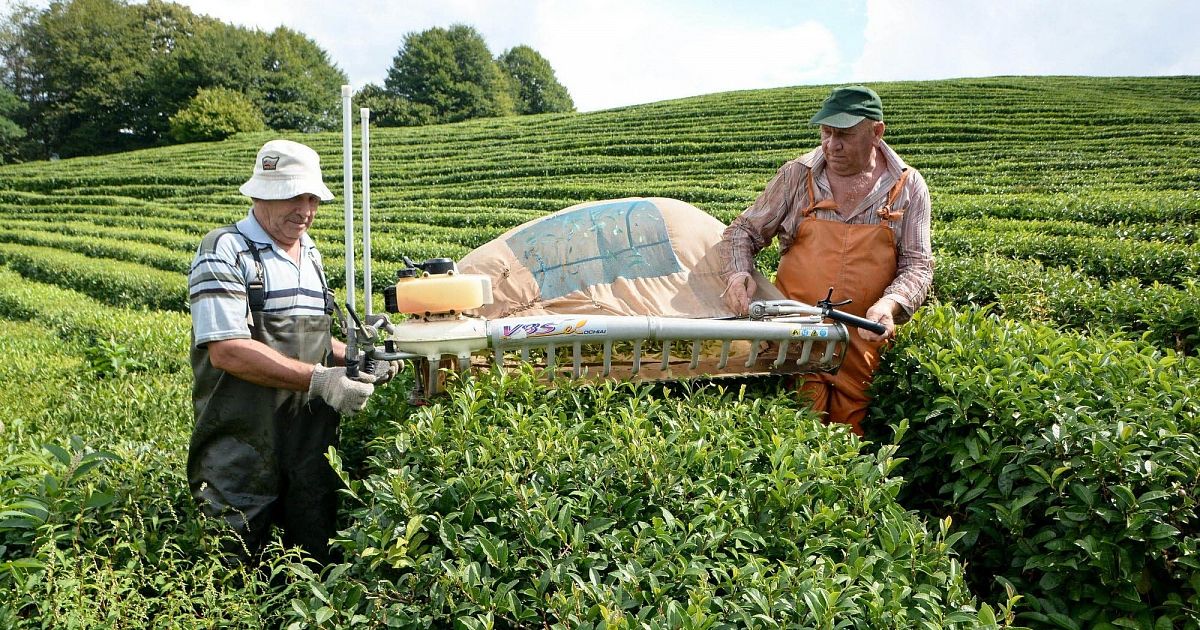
[1032,456]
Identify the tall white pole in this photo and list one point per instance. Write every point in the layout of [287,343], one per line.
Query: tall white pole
[365,113]
[348,188]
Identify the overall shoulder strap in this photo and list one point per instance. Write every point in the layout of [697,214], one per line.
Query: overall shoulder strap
[813,204]
[330,304]
[885,211]
[256,289]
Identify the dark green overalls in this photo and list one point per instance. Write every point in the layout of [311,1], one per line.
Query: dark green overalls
[257,455]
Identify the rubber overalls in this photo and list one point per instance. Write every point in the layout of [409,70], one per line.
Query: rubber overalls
[257,454]
[859,262]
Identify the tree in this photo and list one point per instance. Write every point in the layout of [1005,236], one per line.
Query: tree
[10,132]
[452,72]
[87,59]
[105,75]
[535,88]
[388,110]
[299,86]
[215,114]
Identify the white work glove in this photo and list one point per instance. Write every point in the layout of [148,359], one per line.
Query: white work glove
[384,371]
[738,291]
[347,396]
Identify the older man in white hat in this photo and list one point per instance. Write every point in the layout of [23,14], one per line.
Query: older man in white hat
[268,388]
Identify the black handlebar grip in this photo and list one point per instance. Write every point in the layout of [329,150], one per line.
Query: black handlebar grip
[856,321]
[351,368]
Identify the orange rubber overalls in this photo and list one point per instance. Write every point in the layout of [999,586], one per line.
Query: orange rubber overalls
[859,262]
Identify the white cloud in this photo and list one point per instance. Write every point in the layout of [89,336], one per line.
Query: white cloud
[607,53]
[929,39]
[619,52]
[613,53]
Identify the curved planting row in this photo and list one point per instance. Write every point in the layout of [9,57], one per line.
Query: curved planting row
[114,282]
[1166,316]
[1102,258]
[102,249]
[155,338]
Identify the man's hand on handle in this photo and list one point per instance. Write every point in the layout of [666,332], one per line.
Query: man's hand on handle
[739,291]
[384,371]
[883,312]
[347,396]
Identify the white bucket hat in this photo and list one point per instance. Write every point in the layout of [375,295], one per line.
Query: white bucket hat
[285,169]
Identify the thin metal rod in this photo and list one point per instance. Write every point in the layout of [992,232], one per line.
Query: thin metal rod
[753,352]
[607,358]
[783,348]
[695,354]
[348,188]
[805,352]
[365,114]
[433,376]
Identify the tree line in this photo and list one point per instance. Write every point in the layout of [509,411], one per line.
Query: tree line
[85,77]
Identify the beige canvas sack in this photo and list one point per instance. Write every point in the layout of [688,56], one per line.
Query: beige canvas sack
[634,256]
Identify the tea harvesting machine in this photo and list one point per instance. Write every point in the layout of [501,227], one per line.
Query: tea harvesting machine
[439,329]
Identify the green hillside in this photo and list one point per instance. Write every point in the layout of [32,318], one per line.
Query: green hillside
[1049,391]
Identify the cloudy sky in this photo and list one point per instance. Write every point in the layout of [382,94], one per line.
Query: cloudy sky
[610,53]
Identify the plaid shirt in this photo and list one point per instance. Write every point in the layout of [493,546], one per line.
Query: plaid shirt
[777,212]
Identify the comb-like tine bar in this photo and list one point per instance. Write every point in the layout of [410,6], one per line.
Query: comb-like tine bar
[695,354]
[724,355]
[637,356]
[524,354]
[607,358]
[666,362]
[464,362]
[433,377]
[577,359]
[551,358]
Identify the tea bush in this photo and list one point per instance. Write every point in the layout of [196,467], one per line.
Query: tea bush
[634,506]
[1103,190]
[1069,464]
[1161,314]
[113,282]
[97,528]
[1103,258]
[157,339]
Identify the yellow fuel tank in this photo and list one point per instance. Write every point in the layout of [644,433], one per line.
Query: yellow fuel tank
[442,293]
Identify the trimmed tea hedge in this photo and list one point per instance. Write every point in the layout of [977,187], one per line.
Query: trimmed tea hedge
[629,506]
[1021,289]
[1069,463]
[110,281]
[156,339]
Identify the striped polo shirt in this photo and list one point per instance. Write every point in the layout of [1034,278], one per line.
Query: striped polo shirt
[224,266]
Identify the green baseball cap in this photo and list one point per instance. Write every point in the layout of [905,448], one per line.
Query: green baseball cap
[847,106]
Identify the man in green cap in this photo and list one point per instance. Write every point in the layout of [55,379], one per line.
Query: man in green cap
[851,216]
